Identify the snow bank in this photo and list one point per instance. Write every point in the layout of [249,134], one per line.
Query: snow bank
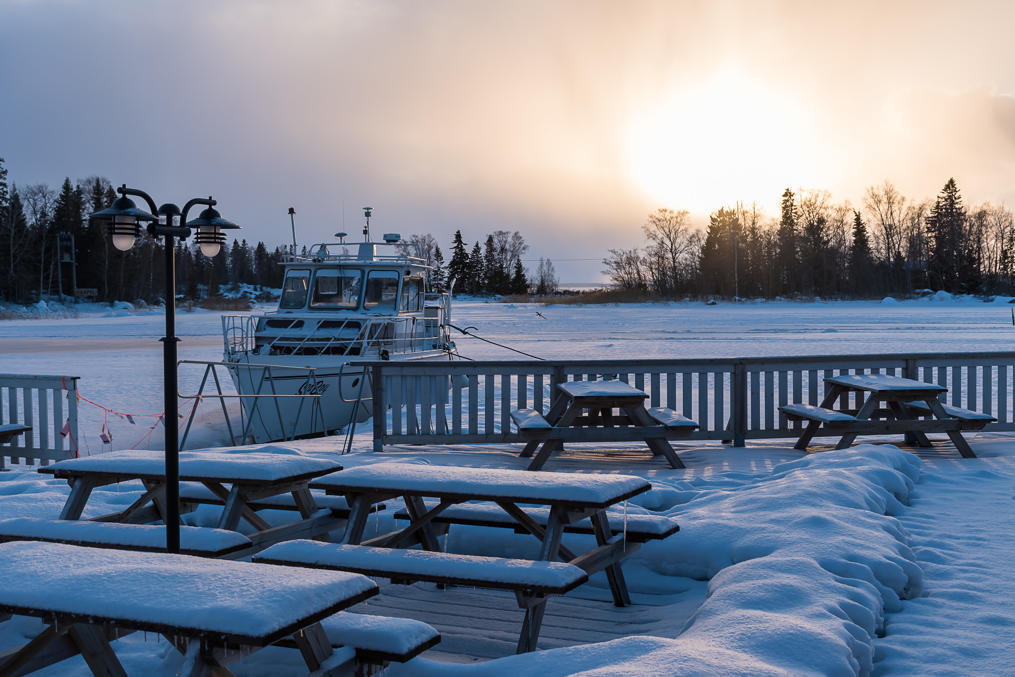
[803,562]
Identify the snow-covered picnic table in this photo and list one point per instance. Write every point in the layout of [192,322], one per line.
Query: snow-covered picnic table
[892,404]
[251,476]
[214,610]
[567,421]
[571,497]
[9,431]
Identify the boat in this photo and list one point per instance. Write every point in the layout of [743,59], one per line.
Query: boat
[294,369]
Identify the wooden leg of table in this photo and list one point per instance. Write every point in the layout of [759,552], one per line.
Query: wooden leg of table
[529,448]
[314,645]
[660,446]
[425,534]
[902,413]
[614,574]
[867,410]
[550,549]
[201,662]
[954,435]
[533,527]
[233,510]
[304,500]
[358,514]
[551,444]
[95,649]
[535,607]
[20,661]
[80,490]
[158,497]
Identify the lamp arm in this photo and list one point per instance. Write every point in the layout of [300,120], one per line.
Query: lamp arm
[124,190]
[196,201]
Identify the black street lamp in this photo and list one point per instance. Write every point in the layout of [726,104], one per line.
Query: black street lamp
[122,221]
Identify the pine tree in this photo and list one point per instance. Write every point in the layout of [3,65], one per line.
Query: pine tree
[860,257]
[438,276]
[495,279]
[787,245]
[519,283]
[458,267]
[476,273]
[946,226]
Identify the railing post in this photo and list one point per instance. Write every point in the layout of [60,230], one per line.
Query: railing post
[556,377]
[739,413]
[911,369]
[380,415]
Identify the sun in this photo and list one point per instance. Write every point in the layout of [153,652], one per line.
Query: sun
[729,138]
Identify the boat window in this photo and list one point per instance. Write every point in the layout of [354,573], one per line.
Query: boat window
[382,290]
[294,289]
[412,293]
[337,289]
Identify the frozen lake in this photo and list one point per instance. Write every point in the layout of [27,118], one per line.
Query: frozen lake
[119,358]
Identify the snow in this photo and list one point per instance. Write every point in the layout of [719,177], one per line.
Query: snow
[377,633]
[600,389]
[519,485]
[127,535]
[236,598]
[493,570]
[271,463]
[882,382]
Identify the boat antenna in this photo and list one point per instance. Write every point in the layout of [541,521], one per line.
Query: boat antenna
[341,237]
[292,222]
[367,212]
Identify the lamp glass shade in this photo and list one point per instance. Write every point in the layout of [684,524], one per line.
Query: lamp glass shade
[123,241]
[210,249]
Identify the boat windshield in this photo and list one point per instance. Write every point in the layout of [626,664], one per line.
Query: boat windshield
[294,289]
[412,294]
[338,288]
[382,290]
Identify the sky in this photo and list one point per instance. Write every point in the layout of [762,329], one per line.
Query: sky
[567,121]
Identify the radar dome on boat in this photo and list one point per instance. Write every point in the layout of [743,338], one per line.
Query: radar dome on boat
[392,238]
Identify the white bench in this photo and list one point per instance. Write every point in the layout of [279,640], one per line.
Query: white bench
[531,580]
[199,541]
[640,528]
[529,420]
[810,412]
[670,419]
[975,419]
[379,640]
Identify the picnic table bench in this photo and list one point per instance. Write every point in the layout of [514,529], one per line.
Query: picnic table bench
[253,479]
[570,498]
[214,611]
[892,404]
[583,412]
[8,431]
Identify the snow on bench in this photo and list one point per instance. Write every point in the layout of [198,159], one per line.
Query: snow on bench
[437,567]
[200,541]
[955,412]
[600,389]
[640,528]
[819,414]
[529,419]
[194,492]
[670,418]
[379,639]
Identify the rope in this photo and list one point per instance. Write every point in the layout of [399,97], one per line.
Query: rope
[466,332]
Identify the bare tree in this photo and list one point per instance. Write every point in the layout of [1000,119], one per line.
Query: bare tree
[38,199]
[546,278]
[626,268]
[672,250]
[885,206]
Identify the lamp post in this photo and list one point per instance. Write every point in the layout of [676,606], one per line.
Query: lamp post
[122,220]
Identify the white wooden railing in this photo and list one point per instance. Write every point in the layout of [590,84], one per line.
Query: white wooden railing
[444,402]
[49,405]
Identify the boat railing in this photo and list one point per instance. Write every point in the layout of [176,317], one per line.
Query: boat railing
[261,404]
[355,336]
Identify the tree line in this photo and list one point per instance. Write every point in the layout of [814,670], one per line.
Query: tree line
[817,247]
[49,249]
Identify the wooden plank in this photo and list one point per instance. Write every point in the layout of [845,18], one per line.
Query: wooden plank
[537,392]
[671,390]
[490,415]
[522,386]
[639,381]
[505,403]
[425,388]
[812,386]
[456,405]
[986,395]
[955,396]
[686,383]
[703,399]
[971,387]
[718,401]
[783,394]
[755,398]
[411,400]
[473,404]
[1002,394]
[95,649]
[397,403]
[57,419]
[28,409]
[655,387]
[769,400]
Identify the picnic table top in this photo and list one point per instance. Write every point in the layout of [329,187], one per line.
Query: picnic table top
[236,466]
[253,604]
[463,484]
[883,382]
[13,428]
[604,389]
